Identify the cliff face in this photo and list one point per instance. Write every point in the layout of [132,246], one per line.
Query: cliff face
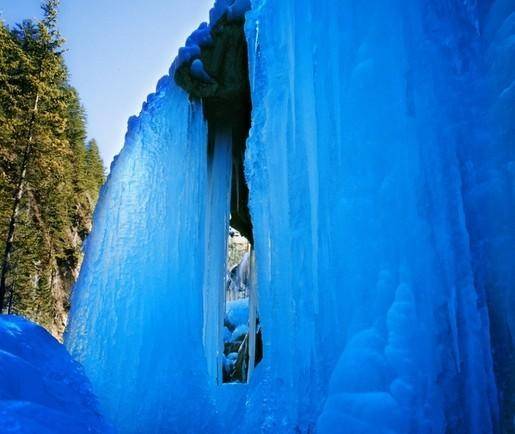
[63,274]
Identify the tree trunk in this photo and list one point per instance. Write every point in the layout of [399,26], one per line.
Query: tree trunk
[18,195]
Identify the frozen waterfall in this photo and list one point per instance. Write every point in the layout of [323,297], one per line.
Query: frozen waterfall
[381,171]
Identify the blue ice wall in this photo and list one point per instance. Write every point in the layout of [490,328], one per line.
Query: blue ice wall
[488,171]
[136,322]
[381,172]
[374,157]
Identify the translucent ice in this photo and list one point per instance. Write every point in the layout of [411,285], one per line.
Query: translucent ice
[381,170]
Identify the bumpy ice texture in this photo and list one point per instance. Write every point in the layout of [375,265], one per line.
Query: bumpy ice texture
[381,170]
[42,389]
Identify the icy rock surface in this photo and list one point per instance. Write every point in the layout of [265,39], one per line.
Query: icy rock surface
[42,389]
[234,10]
[237,312]
[381,171]
[198,71]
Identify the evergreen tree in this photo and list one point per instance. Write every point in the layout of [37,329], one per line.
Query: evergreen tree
[49,178]
[94,169]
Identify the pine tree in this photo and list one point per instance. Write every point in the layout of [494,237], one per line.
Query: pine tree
[49,178]
[13,83]
[33,93]
[95,169]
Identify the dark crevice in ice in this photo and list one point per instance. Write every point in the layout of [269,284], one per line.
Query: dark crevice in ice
[224,88]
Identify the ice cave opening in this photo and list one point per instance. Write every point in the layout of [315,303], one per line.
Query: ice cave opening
[242,334]
[220,79]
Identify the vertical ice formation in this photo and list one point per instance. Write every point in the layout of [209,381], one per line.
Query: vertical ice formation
[215,246]
[381,172]
[380,167]
[489,194]
[137,316]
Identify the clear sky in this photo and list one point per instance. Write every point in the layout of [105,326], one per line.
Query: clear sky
[117,51]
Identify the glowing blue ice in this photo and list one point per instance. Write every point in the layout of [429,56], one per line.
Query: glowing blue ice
[381,170]
[42,389]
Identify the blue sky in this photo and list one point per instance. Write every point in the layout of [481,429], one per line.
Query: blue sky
[117,51]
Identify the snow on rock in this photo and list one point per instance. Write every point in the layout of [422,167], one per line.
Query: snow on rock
[237,10]
[197,70]
[240,332]
[234,10]
[187,54]
[237,311]
[200,37]
[218,10]
[42,389]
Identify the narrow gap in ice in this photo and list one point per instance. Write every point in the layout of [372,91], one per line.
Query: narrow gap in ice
[242,336]
[213,67]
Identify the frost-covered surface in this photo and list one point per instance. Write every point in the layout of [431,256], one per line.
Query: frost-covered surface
[236,328]
[237,312]
[42,389]
[233,9]
[381,170]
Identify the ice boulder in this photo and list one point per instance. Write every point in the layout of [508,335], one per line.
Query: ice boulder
[43,390]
